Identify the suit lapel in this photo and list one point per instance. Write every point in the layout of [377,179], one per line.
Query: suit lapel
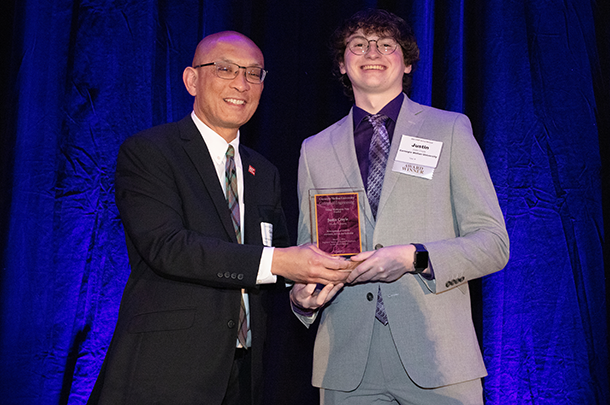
[409,122]
[199,154]
[252,233]
[342,139]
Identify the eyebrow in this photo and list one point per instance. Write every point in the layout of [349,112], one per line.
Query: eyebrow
[379,35]
[358,36]
[255,64]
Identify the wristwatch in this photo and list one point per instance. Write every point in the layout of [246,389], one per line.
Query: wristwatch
[420,258]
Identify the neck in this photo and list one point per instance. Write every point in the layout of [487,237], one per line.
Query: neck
[372,103]
[228,134]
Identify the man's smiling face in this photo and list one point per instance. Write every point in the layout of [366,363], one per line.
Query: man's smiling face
[374,73]
[225,105]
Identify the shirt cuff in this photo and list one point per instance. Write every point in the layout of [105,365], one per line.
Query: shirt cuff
[309,314]
[264,275]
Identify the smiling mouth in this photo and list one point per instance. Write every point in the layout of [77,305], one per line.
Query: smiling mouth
[373,67]
[235,101]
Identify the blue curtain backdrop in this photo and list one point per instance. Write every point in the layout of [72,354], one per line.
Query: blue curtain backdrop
[78,77]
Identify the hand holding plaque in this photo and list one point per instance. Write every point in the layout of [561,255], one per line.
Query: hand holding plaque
[336,220]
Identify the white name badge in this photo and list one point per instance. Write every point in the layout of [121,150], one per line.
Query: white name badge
[417,156]
[267,233]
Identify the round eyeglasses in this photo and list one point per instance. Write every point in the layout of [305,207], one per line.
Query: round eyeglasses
[361,45]
[229,71]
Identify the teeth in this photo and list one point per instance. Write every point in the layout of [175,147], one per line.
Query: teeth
[234,101]
[373,67]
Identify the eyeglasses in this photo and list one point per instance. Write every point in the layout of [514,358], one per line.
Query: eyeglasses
[229,71]
[361,45]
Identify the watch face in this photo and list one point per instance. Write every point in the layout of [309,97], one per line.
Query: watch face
[421,261]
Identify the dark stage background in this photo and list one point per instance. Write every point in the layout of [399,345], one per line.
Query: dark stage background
[78,77]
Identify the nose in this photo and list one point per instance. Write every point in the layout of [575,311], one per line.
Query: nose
[370,53]
[240,83]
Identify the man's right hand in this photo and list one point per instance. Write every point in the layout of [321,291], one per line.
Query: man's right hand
[307,298]
[309,265]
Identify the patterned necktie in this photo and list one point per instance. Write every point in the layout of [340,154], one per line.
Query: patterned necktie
[231,190]
[378,157]
[233,201]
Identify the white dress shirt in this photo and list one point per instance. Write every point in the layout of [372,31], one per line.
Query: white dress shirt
[217,146]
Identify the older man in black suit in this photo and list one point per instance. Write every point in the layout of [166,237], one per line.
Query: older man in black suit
[201,213]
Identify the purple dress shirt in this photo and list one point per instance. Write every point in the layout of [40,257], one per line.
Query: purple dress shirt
[363,132]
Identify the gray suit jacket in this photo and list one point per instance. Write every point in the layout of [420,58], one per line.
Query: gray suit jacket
[456,215]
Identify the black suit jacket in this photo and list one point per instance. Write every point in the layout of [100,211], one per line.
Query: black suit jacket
[175,338]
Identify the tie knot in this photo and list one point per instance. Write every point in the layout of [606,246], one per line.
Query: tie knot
[377,119]
[230,151]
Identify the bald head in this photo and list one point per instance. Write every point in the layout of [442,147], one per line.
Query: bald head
[207,44]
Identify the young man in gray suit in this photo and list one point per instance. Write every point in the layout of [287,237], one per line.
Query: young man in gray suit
[399,330]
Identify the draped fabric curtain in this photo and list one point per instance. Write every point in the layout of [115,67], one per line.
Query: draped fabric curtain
[81,76]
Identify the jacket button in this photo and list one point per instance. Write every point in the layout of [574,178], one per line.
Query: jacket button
[448,284]
[240,276]
[233,276]
[227,275]
[378,246]
[231,324]
[219,275]
[370,296]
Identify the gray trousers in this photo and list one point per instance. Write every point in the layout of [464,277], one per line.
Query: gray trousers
[385,381]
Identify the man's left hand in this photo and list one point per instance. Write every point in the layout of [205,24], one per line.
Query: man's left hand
[386,264]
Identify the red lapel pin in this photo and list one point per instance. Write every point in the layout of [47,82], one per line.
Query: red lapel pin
[252,170]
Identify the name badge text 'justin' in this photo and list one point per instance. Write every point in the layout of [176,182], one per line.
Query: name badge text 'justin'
[417,156]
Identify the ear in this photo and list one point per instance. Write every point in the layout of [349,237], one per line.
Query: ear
[342,68]
[189,77]
[408,69]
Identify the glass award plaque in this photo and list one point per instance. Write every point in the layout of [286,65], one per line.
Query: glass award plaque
[336,220]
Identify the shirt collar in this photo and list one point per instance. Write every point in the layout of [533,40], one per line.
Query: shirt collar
[390,110]
[217,146]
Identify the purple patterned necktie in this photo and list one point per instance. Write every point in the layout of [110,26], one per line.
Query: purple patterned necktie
[233,201]
[231,190]
[378,157]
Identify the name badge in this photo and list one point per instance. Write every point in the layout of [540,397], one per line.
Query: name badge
[267,233]
[417,156]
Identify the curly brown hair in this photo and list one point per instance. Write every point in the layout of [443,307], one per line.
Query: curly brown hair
[374,21]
